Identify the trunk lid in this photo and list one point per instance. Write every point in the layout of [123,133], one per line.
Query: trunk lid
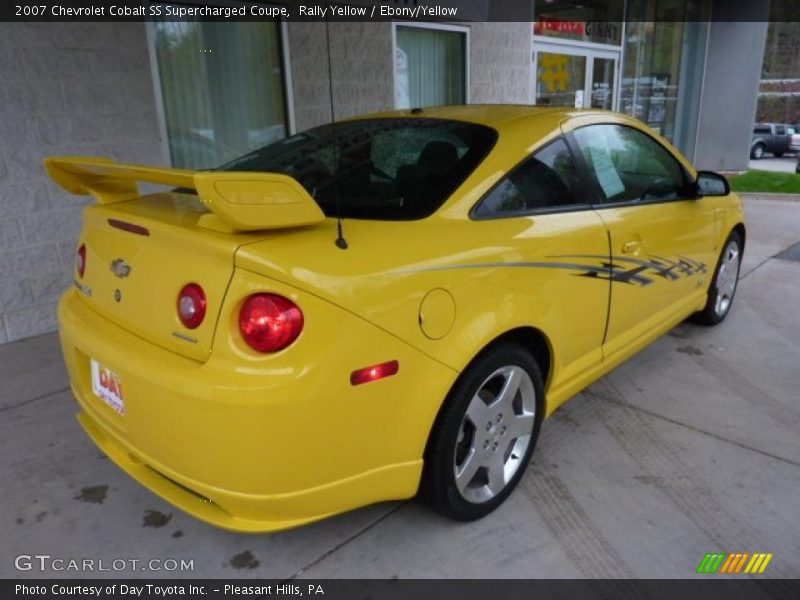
[152,265]
[142,250]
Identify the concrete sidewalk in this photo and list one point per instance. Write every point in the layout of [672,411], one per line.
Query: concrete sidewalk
[690,447]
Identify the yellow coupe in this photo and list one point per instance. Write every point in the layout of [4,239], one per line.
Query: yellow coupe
[379,305]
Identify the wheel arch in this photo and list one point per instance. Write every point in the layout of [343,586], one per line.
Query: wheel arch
[535,341]
[532,339]
[740,229]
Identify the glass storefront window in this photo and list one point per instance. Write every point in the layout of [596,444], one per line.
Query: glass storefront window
[599,22]
[430,67]
[661,68]
[222,88]
[603,83]
[650,73]
[560,79]
[575,76]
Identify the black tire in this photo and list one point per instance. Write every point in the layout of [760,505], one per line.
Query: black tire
[757,151]
[714,312]
[439,488]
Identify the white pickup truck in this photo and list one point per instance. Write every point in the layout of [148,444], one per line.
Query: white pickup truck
[794,146]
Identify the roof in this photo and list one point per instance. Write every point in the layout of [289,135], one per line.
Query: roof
[492,115]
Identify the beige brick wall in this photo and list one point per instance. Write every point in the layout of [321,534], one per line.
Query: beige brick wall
[500,60]
[361,61]
[361,64]
[76,88]
[83,88]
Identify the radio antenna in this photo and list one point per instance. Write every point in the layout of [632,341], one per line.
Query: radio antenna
[341,243]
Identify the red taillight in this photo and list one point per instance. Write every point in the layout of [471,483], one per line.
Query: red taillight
[80,260]
[374,373]
[191,305]
[269,322]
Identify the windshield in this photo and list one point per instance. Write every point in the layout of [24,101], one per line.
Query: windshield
[388,169]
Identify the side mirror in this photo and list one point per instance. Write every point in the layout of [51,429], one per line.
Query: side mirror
[711,184]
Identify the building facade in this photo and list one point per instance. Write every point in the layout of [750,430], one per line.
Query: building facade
[198,94]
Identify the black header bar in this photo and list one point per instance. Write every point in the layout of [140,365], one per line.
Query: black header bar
[568,11]
[712,588]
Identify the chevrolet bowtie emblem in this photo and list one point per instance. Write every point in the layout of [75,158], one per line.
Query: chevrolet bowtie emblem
[120,268]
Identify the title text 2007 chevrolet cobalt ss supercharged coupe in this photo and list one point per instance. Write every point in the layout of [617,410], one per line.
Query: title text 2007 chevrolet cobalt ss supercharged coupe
[245,355]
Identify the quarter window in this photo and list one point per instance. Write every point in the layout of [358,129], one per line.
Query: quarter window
[546,181]
[629,165]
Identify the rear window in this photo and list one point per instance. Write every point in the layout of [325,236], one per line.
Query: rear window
[386,169]
[762,130]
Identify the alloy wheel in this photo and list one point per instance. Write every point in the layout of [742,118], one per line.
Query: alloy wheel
[495,434]
[727,278]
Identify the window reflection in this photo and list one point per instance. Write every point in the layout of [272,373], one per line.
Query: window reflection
[661,65]
[222,89]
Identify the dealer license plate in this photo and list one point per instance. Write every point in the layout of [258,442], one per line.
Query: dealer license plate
[107,386]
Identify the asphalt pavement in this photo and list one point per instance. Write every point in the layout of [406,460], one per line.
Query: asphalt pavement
[784,164]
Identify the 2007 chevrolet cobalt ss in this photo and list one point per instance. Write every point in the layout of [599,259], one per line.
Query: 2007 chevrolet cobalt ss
[260,363]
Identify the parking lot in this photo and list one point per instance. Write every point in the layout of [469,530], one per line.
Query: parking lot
[690,447]
[784,164]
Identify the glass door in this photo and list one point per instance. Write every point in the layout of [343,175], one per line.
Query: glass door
[575,76]
[602,88]
[560,79]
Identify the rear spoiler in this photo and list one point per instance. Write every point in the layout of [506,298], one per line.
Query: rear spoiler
[238,201]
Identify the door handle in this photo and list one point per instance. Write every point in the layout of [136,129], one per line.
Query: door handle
[631,246]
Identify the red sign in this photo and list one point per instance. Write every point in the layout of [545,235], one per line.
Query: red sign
[549,25]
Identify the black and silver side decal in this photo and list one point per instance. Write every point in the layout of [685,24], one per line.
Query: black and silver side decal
[641,272]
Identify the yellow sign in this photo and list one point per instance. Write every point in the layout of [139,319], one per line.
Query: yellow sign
[554,71]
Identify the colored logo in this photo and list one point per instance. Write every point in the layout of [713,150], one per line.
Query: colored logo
[554,71]
[736,562]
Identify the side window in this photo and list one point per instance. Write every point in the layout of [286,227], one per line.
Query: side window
[547,180]
[780,130]
[629,165]
[762,131]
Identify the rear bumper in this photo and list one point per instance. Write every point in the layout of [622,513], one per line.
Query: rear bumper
[249,512]
[259,444]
